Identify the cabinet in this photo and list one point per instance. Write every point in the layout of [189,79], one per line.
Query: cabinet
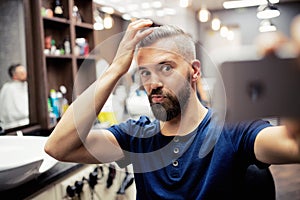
[56,68]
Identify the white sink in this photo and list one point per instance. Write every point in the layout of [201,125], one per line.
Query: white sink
[22,159]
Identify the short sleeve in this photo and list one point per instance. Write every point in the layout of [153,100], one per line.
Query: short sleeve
[244,135]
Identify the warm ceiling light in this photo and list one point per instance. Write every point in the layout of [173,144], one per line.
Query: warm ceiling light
[230,35]
[156,4]
[184,3]
[224,31]
[169,11]
[215,24]
[267,11]
[108,21]
[203,15]
[126,17]
[132,7]
[98,25]
[107,9]
[246,3]
[145,5]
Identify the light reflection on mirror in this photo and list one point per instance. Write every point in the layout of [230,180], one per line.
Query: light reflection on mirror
[13,92]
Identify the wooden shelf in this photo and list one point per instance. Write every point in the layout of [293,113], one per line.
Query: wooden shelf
[85,25]
[57,70]
[58,57]
[89,57]
[57,20]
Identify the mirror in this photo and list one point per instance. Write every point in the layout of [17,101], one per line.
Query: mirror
[13,51]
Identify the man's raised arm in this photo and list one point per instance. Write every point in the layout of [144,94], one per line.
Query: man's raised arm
[72,139]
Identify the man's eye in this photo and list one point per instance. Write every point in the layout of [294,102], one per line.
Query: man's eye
[166,68]
[144,73]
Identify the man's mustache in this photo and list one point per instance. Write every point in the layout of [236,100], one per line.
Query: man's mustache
[157,91]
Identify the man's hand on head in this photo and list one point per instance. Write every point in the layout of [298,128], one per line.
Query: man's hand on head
[132,36]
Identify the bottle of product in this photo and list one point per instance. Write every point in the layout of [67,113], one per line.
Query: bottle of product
[76,15]
[58,9]
[107,115]
[53,47]
[67,46]
[54,103]
[64,102]
[86,48]
[52,116]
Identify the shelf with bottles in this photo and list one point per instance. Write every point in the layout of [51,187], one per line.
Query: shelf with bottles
[59,72]
[57,42]
[55,9]
[82,48]
[57,47]
[87,35]
[84,13]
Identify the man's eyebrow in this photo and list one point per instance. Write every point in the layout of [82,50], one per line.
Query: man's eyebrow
[158,64]
[141,67]
[167,62]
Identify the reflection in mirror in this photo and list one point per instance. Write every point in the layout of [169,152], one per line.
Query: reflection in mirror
[13,84]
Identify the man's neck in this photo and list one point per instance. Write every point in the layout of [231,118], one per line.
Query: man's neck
[187,121]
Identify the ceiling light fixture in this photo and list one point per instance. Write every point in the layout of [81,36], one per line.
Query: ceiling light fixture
[267,11]
[107,9]
[230,35]
[184,3]
[266,26]
[169,11]
[108,21]
[98,25]
[246,3]
[224,31]
[145,5]
[126,17]
[215,24]
[203,15]
[157,4]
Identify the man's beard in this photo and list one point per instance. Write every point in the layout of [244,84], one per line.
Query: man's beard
[172,105]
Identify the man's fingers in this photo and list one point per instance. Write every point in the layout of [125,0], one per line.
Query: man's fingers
[127,46]
[136,26]
[142,34]
[140,23]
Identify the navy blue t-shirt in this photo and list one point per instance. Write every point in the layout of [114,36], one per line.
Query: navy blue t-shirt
[185,167]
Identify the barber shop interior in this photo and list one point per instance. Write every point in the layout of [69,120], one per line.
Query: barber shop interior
[150,99]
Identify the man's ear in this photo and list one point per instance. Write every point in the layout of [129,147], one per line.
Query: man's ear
[196,72]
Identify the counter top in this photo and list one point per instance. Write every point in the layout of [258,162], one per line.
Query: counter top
[27,189]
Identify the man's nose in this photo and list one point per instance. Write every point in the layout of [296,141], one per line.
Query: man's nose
[155,82]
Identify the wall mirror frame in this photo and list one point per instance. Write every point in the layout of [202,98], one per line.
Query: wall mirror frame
[30,63]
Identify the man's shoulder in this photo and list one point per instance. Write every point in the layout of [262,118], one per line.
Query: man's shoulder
[141,125]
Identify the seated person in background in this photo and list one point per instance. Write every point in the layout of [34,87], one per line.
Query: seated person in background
[14,98]
[185,153]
